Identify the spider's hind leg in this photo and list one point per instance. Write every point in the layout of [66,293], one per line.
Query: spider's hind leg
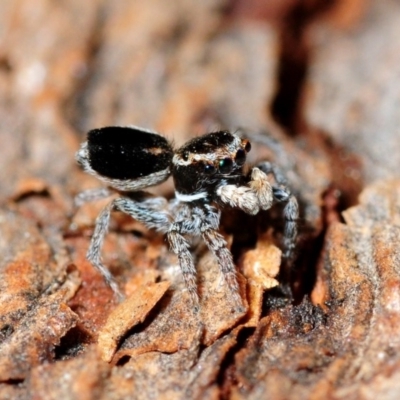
[94,252]
[148,211]
[90,195]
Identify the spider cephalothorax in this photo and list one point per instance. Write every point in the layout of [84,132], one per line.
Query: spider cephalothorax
[208,174]
[203,163]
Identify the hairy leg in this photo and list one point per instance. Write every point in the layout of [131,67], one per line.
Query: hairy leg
[218,246]
[96,244]
[90,195]
[281,193]
[149,211]
[152,212]
[180,246]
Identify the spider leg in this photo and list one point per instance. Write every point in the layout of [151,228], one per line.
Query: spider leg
[291,215]
[180,246]
[151,212]
[94,252]
[217,245]
[281,193]
[148,211]
[270,168]
[90,195]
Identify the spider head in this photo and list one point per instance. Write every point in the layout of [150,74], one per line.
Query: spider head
[204,161]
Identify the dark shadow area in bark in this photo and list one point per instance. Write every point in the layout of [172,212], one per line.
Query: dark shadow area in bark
[226,376]
[294,62]
[73,343]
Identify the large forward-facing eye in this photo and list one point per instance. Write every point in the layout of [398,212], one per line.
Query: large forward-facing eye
[240,157]
[225,166]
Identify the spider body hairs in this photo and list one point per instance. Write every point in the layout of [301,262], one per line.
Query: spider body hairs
[208,173]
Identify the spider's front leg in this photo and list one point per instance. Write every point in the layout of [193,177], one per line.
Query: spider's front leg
[218,246]
[281,193]
[210,218]
[180,246]
[148,211]
[199,219]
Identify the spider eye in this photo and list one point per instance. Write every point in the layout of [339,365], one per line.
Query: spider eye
[240,157]
[209,169]
[225,166]
[185,156]
[247,146]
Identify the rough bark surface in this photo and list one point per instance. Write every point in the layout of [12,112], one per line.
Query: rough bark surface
[314,85]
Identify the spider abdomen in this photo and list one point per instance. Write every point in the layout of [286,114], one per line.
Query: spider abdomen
[127,153]
[126,158]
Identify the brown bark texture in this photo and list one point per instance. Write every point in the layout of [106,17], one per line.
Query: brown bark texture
[315,85]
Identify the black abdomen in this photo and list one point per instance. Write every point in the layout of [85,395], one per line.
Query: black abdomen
[127,153]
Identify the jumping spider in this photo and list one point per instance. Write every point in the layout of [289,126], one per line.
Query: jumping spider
[208,174]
